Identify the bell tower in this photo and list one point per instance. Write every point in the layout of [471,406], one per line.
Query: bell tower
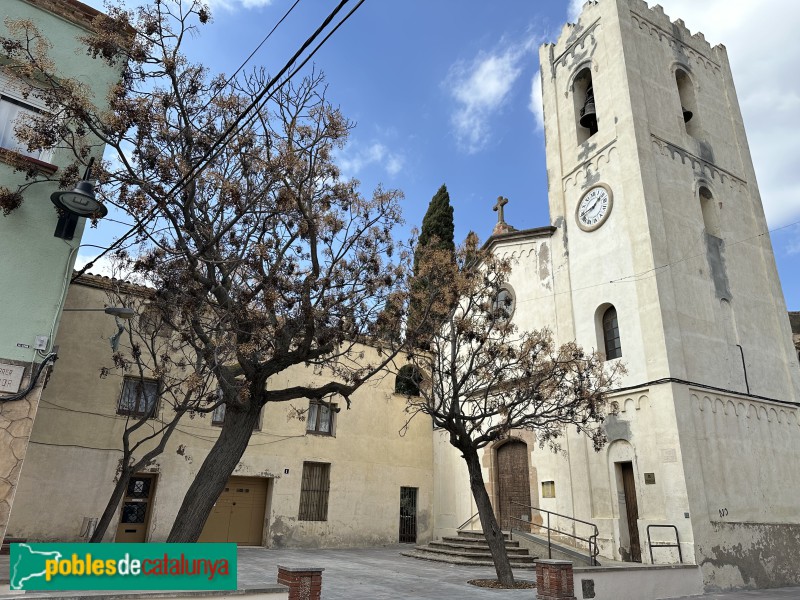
[653,192]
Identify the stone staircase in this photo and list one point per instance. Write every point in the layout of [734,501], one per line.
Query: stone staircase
[470,548]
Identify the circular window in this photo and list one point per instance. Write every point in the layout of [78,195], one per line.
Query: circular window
[504,303]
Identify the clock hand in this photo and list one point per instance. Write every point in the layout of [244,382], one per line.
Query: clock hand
[591,207]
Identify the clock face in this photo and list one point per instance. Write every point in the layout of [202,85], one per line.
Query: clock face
[594,208]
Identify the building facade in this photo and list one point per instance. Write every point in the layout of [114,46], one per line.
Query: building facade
[36,266]
[311,477]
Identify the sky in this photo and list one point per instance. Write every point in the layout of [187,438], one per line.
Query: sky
[447,91]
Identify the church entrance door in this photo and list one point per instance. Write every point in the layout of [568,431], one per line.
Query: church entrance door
[631,509]
[514,485]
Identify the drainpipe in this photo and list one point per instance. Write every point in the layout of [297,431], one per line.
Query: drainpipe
[744,368]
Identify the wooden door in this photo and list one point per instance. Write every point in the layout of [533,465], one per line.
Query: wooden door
[514,485]
[239,513]
[136,509]
[631,510]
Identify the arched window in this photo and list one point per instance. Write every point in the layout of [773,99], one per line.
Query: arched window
[504,303]
[585,110]
[710,212]
[407,381]
[688,102]
[611,334]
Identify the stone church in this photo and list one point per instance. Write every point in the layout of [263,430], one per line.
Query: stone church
[656,254]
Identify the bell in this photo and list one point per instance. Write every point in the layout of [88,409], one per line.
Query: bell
[588,113]
[687,114]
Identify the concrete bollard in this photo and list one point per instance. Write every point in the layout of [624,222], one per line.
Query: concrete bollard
[554,580]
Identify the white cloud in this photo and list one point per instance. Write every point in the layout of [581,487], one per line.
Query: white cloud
[761,39]
[354,159]
[234,4]
[480,88]
[535,104]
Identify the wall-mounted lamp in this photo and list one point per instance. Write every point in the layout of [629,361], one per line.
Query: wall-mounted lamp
[118,312]
[123,312]
[79,202]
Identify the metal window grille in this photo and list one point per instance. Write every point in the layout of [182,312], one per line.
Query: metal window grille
[408,515]
[611,334]
[139,397]
[314,492]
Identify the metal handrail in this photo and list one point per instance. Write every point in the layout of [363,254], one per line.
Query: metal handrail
[591,540]
[677,543]
[464,524]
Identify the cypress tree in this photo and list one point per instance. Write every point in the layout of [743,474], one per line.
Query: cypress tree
[437,224]
[437,233]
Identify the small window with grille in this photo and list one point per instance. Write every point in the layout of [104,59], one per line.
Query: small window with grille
[314,491]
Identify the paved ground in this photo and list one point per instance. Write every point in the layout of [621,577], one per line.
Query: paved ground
[376,574]
[382,574]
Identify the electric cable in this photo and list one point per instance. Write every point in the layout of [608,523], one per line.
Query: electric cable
[188,177]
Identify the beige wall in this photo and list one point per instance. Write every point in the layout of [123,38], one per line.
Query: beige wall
[74,452]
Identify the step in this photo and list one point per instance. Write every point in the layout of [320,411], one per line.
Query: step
[472,547]
[476,541]
[6,549]
[478,534]
[477,555]
[455,560]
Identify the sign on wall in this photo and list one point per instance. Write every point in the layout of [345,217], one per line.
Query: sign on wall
[10,378]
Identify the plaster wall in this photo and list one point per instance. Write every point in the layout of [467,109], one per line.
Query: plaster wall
[36,266]
[74,453]
[743,490]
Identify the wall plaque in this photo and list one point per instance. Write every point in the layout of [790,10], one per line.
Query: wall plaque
[650,478]
[10,378]
[669,455]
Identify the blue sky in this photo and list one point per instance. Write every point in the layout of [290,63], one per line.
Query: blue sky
[441,92]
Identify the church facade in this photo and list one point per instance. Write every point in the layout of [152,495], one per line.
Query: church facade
[656,255]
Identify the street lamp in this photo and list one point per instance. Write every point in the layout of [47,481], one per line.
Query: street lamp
[79,202]
[123,312]
[118,312]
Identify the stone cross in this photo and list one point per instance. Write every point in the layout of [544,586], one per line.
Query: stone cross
[498,208]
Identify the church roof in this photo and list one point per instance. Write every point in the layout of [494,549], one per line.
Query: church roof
[518,236]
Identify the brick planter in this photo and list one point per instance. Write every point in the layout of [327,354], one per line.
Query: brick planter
[304,583]
[554,580]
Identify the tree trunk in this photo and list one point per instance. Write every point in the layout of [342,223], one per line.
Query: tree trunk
[213,474]
[111,508]
[491,528]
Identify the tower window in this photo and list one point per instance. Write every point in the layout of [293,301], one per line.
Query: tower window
[585,108]
[688,102]
[611,334]
[710,212]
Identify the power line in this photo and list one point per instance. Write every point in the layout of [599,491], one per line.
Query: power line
[188,177]
[213,150]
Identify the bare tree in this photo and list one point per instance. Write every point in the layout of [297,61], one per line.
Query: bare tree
[168,380]
[265,255]
[482,378]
